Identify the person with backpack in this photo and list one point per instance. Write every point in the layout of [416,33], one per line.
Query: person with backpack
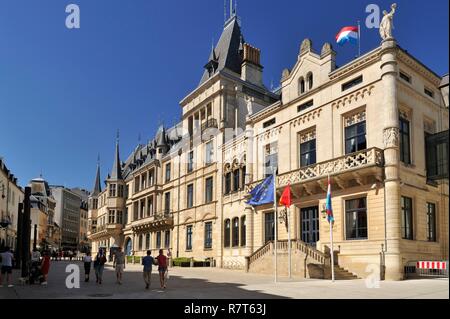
[99,266]
[162,268]
[7,259]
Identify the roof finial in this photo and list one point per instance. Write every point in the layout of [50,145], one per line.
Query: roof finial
[98,158]
[224,11]
[117,135]
[231,8]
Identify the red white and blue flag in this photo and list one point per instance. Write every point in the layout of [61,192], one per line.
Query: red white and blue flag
[347,34]
[328,207]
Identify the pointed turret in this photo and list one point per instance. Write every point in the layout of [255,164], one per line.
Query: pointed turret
[226,54]
[116,172]
[97,185]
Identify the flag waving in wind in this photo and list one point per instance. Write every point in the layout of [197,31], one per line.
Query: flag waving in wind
[262,193]
[285,198]
[329,209]
[348,34]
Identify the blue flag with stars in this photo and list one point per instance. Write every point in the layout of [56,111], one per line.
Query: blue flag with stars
[262,193]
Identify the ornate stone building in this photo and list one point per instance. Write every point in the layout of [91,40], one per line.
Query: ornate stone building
[364,124]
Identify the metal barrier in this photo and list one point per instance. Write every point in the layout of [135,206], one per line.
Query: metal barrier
[430,269]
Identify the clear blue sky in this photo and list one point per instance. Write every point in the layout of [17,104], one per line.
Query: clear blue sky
[64,93]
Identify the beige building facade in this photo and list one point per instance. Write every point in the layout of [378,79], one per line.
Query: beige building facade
[365,125]
[11,194]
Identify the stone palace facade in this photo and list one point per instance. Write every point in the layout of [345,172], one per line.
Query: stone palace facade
[365,124]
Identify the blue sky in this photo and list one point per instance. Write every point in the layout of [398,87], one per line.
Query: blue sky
[64,93]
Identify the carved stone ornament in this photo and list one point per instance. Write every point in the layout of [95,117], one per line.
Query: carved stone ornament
[306,46]
[327,48]
[391,137]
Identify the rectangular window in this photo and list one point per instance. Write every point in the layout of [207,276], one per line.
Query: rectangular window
[209,190]
[405,153]
[352,83]
[243,232]
[226,235]
[355,137]
[111,217]
[431,222]
[209,152]
[151,177]
[167,239]
[119,217]
[112,190]
[189,237]
[120,190]
[308,153]
[208,235]
[190,195]
[407,217]
[270,158]
[150,210]
[167,172]
[269,227]
[147,240]
[405,77]
[428,92]
[269,123]
[190,165]
[305,106]
[158,239]
[167,202]
[356,218]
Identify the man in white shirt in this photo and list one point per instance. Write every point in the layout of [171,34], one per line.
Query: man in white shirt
[7,259]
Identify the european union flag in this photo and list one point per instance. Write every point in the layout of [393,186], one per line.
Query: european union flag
[262,193]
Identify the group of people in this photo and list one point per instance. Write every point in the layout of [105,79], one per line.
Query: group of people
[119,265]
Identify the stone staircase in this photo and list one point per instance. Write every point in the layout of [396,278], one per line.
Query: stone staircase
[306,262]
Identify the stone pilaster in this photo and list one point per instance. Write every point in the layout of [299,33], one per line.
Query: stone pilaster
[389,106]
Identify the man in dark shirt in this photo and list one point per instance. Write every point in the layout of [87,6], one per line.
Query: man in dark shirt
[148,261]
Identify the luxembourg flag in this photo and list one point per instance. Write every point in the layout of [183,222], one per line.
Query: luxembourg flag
[328,203]
[347,34]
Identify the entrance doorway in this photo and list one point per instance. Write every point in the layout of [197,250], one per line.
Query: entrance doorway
[309,225]
[128,247]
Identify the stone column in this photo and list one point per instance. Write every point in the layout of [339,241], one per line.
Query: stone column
[249,212]
[249,231]
[389,106]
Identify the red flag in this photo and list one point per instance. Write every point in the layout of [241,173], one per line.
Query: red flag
[285,198]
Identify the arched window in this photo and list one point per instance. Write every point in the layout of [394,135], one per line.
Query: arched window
[228,183]
[140,242]
[236,180]
[243,230]
[244,172]
[235,237]
[310,80]
[226,240]
[147,241]
[301,86]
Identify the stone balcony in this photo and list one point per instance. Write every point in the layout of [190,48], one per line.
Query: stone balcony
[156,221]
[354,168]
[105,230]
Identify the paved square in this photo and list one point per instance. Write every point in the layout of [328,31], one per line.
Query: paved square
[205,283]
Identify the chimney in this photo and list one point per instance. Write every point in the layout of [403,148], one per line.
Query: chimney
[251,68]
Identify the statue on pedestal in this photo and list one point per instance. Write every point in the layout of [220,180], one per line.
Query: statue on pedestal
[387,23]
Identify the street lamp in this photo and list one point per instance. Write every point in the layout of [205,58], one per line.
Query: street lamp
[443,87]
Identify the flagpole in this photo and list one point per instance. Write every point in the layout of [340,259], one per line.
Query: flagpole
[331,240]
[359,39]
[275,214]
[289,239]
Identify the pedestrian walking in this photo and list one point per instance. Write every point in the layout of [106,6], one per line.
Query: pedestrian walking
[162,268]
[147,262]
[7,259]
[45,267]
[35,256]
[99,265]
[87,266]
[119,264]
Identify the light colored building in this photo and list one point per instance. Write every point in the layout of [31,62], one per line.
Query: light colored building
[42,215]
[83,244]
[67,216]
[11,194]
[365,124]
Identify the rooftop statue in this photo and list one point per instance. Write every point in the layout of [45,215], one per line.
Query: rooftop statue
[387,23]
